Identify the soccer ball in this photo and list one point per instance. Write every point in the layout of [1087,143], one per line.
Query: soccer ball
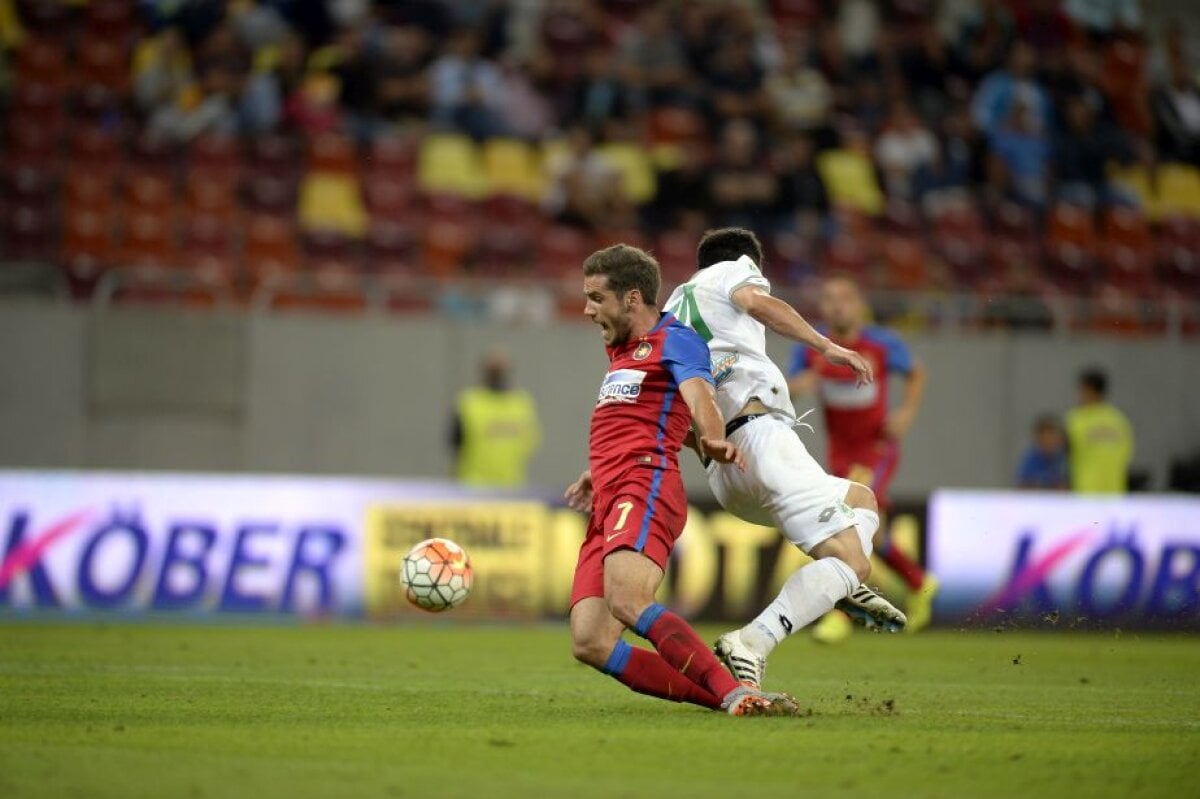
[436,575]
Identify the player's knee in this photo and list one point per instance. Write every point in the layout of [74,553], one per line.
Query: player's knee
[591,650]
[627,609]
[860,496]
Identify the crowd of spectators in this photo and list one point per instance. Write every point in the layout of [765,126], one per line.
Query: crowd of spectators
[992,103]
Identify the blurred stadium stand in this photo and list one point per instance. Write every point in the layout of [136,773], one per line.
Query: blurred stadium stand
[1019,164]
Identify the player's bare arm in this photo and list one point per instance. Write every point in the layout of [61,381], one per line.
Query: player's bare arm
[782,318]
[700,397]
[901,419]
[579,494]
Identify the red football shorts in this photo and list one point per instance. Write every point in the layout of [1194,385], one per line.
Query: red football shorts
[873,464]
[645,512]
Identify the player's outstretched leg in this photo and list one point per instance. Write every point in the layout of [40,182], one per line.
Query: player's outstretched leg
[834,578]
[630,581]
[596,638]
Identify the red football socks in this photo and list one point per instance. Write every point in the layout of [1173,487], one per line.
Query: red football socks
[912,574]
[647,673]
[683,650]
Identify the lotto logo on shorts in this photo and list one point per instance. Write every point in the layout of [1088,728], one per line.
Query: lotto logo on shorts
[621,385]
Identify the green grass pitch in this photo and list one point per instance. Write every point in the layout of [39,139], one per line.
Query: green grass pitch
[440,711]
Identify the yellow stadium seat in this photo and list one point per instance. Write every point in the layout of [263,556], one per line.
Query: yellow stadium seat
[451,164]
[1179,189]
[511,168]
[637,174]
[850,180]
[332,201]
[1136,181]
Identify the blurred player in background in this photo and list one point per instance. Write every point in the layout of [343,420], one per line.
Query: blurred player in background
[864,431]
[728,303]
[657,385]
[1099,438]
[495,429]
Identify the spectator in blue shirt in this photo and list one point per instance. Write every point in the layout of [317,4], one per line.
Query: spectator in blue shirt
[1044,464]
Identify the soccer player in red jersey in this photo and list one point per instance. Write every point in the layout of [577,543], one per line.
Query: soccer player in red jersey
[864,431]
[658,382]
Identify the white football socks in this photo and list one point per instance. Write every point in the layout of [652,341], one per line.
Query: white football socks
[867,522]
[808,594]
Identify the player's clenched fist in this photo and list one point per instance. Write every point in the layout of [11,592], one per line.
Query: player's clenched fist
[722,451]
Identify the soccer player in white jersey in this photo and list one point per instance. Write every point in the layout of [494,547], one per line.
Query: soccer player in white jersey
[728,302]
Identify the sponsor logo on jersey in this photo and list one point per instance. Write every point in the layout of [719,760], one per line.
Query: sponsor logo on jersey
[722,366]
[621,385]
[643,351]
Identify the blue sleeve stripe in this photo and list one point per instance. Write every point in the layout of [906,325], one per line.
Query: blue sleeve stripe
[618,660]
[647,619]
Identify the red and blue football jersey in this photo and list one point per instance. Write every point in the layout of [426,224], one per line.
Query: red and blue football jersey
[854,414]
[639,418]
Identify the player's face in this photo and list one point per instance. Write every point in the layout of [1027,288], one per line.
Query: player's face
[606,309]
[841,305]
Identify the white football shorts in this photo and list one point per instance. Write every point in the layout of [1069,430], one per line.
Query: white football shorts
[783,485]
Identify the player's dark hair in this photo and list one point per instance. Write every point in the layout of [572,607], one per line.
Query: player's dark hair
[728,244]
[1096,379]
[626,268]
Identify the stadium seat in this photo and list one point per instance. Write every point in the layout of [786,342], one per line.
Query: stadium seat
[43,61]
[326,248]
[674,125]
[905,262]
[391,246]
[512,169]
[446,245]
[50,20]
[1127,249]
[153,153]
[850,255]
[334,153]
[212,193]
[638,181]
[332,289]
[332,201]
[111,19]
[393,156]
[1071,246]
[88,248]
[1179,190]
[94,147]
[149,190]
[387,197]
[271,250]
[676,254]
[208,251]
[215,152]
[270,192]
[150,240]
[26,233]
[451,164]
[103,61]
[850,179]
[504,249]
[901,217]
[1178,253]
[561,251]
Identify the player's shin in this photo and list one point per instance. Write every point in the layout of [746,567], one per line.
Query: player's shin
[808,594]
[647,673]
[681,647]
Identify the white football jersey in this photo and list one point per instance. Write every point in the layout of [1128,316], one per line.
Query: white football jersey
[736,340]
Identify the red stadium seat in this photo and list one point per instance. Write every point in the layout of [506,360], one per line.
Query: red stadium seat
[212,193]
[504,249]
[111,19]
[26,233]
[446,244]
[208,251]
[905,260]
[325,249]
[391,246]
[394,157]
[149,190]
[215,152]
[88,248]
[103,61]
[562,251]
[389,197]
[1127,249]
[1178,253]
[850,255]
[1071,246]
[333,289]
[150,240]
[676,254]
[332,152]
[43,61]
[271,251]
